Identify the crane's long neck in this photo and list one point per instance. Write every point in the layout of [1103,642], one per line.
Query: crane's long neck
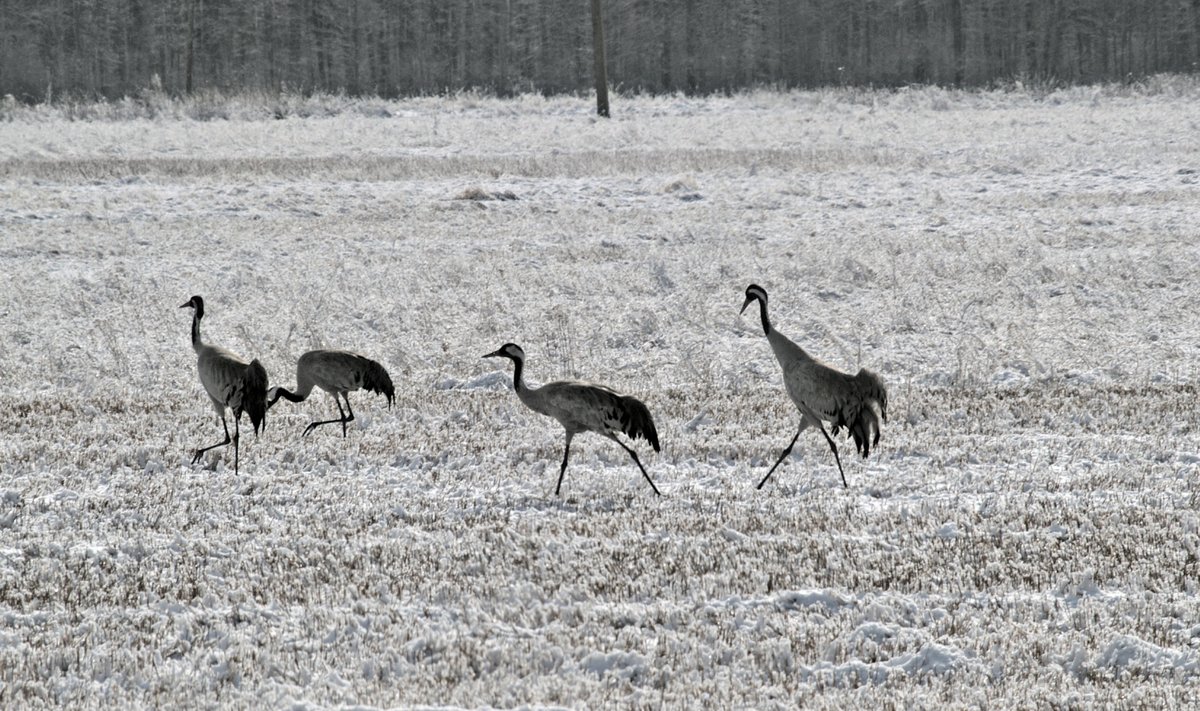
[304,386]
[196,342]
[518,381]
[766,322]
[298,396]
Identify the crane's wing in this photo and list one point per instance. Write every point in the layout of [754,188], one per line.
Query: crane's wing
[856,402]
[344,371]
[221,374]
[861,402]
[596,408]
[254,394]
[375,379]
[234,383]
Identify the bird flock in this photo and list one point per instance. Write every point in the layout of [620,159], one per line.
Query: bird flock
[856,403]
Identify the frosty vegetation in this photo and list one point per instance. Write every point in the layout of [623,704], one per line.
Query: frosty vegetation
[1020,267]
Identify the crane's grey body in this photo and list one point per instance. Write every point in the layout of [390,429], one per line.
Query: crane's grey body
[222,375]
[337,372]
[587,407]
[584,407]
[230,382]
[823,394]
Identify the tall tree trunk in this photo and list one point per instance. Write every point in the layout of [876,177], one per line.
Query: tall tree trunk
[959,42]
[601,74]
[189,60]
[665,57]
[1195,55]
[690,51]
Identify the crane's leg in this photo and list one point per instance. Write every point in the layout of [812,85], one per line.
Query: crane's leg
[836,458]
[563,470]
[786,452]
[639,463]
[343,420]
[200,452]
[237,436]
[350,417]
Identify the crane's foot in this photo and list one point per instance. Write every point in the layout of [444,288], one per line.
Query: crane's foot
[314,425]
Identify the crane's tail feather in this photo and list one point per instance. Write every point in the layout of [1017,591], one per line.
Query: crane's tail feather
[377,380]
[872,405]
[254,394]
[636,421]
[871,388]
[865,431]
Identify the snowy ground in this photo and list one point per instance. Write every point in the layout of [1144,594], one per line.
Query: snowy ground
[1019,267]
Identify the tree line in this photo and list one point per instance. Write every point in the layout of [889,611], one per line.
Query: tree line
[390,48]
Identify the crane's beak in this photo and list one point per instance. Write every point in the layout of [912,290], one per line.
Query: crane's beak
[748,302]
[184,306]
[493,354]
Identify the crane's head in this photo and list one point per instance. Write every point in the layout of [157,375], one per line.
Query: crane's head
[508,350]
[196,303]
[753,292]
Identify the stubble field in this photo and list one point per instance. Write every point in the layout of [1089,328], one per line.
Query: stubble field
[1018,266]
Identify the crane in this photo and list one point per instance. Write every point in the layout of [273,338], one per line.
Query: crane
[584,407]
[230,382]
[822,393]
[337,372]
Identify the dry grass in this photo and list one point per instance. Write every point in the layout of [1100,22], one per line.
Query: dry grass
[1026,535]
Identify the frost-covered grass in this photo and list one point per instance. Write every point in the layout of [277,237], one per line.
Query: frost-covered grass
[1019,267]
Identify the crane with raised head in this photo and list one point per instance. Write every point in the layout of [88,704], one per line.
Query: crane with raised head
[230,382]
[823,394]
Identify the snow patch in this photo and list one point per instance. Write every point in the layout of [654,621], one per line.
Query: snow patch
[932,659]
[793,600]
[493,381]
[700,420]
[624,665]
[1127,653]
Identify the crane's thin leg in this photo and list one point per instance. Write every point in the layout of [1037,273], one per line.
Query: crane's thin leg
[563,470]
[836,458]
[349,409]
[200,452]
[314,425]
[639,463]
[237,436]
[786,452]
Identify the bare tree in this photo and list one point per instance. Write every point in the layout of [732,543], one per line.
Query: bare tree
[599,70]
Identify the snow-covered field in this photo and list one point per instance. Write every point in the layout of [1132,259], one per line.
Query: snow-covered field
[1019,267]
